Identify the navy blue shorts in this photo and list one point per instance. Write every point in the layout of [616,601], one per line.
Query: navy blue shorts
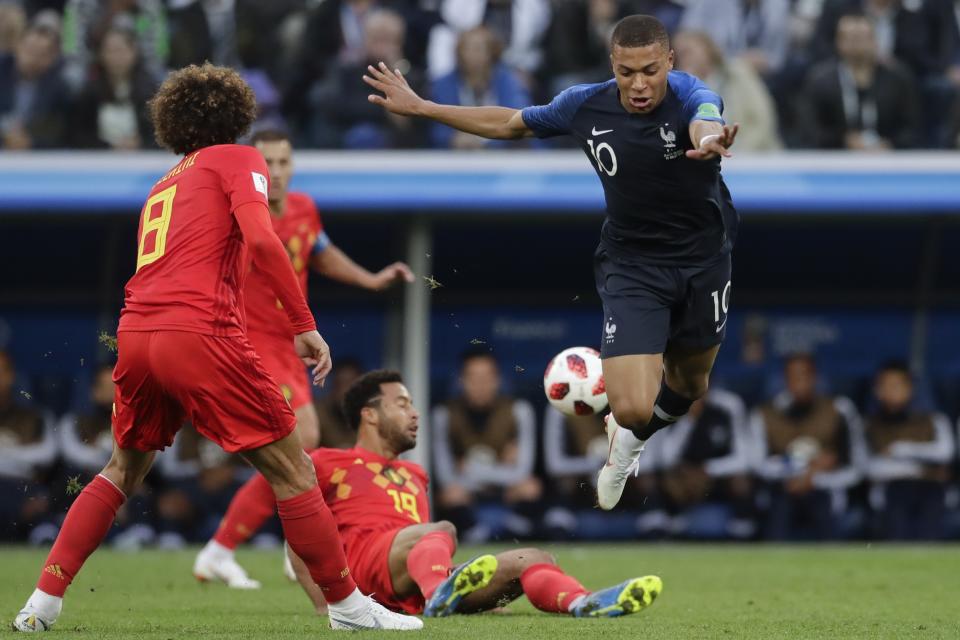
[647,308]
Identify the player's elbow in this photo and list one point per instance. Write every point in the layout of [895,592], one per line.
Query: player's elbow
[511,132]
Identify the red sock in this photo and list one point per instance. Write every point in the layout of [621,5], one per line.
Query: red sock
[87,522]
[428,562]
[312,533]
[252,505]
[549,589]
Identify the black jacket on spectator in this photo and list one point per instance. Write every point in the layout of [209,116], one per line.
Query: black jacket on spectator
[341,105]
[84,116]
[46,123]
[256,42]
[323,38]
[922,40]
[824,116]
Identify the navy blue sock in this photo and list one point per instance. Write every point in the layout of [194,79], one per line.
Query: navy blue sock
[669,407]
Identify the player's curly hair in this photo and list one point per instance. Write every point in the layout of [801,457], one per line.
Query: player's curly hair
[366,392]
[199,106]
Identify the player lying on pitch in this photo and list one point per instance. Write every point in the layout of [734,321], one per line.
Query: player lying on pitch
[405,561]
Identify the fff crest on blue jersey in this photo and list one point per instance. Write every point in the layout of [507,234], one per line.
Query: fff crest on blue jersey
[669,137]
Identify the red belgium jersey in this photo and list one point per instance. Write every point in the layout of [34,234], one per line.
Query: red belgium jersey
[367,492]
[298,229]
[191,258]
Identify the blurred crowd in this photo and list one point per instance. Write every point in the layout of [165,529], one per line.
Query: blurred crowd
[802,464]
[824,74]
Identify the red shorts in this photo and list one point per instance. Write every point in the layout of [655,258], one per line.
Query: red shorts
[219,384]
[368,555]
[285,367]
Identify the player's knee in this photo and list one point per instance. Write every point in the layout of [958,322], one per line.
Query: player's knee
[447,527]
[632,412]
[515,562]
[532,556]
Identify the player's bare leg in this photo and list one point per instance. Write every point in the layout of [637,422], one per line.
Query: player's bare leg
[250,508]
[312,534]
[308,426]
[535,573]
[687,371]
[505,587]
[87,523]
[647,393]
[633,382]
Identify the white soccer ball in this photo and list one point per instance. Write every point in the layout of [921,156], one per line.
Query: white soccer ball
[573,382]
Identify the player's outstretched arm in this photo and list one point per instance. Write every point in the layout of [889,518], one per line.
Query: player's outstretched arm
[713,139]
[271,258]
[333,263]
[497,123]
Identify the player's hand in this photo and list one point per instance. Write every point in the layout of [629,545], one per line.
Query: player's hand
[715,145]
[396,272]
[397,96]
[313,350]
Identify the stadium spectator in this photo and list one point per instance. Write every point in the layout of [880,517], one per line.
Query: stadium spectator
[915,33]
[574,447]
[479,80]
[705,460]
[333,37]
[33,95]
[86,440]
[343,117]
[577,44]
[909,456]
[198,481]
[28,449]
[756,31]
[808,448]
[485,448]
[334,430]
[87,22]
[669,12]
[521,24]
[13,22]
[111,110]
[746,99]
[244,34]
[858,101]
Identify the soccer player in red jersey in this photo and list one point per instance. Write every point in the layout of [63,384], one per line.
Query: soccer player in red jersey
[199,227]
[380,505]
[298,225]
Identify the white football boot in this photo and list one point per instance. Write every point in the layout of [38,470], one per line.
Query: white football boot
[216,562]
[622,462]
[39,614]
[359,612]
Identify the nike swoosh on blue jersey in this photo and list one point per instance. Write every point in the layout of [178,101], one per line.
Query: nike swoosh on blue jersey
[594,132]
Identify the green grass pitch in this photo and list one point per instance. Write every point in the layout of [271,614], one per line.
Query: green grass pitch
[858,591]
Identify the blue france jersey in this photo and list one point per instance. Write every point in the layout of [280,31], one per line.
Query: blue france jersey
[662,208]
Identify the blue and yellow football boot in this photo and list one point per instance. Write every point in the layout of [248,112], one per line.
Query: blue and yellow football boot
[623,599]
[469,577]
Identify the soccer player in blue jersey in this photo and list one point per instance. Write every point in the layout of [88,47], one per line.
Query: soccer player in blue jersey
[655,138]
